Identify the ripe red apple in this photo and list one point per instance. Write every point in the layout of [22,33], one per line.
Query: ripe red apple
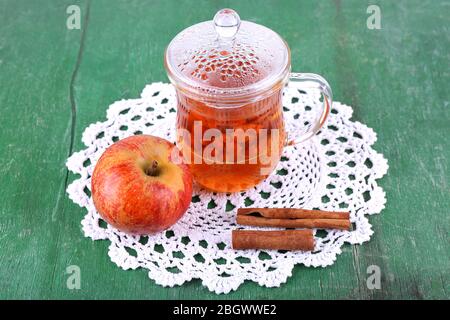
[141,185]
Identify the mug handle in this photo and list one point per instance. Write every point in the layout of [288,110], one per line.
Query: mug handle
[313,81]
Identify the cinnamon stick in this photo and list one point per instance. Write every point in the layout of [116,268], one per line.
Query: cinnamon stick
[342,224]
[291,213]
[273,240]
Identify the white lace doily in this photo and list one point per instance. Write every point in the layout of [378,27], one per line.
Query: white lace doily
[335,170]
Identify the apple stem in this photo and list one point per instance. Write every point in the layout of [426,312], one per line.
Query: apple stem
[153,169]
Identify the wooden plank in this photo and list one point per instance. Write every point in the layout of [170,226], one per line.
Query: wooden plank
[399,90]
[38,56]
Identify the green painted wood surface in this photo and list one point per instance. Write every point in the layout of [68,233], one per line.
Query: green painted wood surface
[54,82]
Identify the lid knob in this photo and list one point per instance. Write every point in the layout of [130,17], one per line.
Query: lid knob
[227,23]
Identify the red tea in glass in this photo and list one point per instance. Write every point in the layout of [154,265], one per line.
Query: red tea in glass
[241,161]
[229,77]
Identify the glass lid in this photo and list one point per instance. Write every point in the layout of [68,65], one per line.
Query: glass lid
[227,57]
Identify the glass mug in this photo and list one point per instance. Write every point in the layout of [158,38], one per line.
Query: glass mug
[229,78]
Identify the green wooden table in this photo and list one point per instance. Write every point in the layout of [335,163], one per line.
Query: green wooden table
[54,82]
